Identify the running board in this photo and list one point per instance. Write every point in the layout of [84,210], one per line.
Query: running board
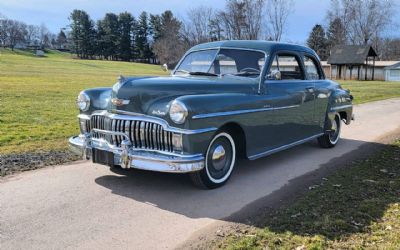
[275,150]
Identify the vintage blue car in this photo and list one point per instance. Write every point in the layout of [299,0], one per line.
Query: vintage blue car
[223,100]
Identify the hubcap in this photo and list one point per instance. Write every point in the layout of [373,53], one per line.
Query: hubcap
[218,157]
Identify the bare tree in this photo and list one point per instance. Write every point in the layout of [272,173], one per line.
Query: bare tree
[278,12]
[43,36]
[4,23]
[365,20]
[16,32]
[241,19]
[33,34]
[253,18]
[233,19]
[169,47]
[369,19]
[198,26]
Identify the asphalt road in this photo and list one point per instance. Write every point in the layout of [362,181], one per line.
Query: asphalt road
[89,206]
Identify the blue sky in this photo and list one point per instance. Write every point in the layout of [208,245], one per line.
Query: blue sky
[55,13]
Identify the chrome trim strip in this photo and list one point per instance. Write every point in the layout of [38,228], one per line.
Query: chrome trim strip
[286,107]
[124,115]
[84,117]
[341,107]
[278,149]
[143,159]
[237,112]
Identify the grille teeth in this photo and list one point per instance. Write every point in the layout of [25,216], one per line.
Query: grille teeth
[142,134]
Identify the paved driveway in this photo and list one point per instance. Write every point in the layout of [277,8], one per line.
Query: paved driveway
[89,206]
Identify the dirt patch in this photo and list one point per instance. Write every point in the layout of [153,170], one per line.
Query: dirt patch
[14,163]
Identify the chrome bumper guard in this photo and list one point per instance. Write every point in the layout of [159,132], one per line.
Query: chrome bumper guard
[128,157]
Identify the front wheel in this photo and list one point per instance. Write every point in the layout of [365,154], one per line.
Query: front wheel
[331,137]
[219,162]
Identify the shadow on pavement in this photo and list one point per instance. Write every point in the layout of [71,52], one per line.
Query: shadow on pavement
[257,187]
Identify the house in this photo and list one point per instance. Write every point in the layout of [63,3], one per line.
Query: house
[379,71]
[392,73]
[345,59]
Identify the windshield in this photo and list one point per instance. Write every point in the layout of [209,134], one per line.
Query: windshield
[213,62]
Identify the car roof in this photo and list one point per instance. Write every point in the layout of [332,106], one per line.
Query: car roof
[265,46]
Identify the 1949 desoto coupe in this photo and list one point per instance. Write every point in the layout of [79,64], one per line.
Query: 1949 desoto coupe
[223,100]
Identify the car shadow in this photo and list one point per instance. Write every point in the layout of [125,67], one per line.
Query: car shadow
[255,186]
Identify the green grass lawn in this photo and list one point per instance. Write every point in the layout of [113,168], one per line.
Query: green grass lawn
[37,95]
[357,207]
[367,91]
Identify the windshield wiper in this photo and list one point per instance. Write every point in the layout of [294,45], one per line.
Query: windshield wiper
[199,73]
[246,74]
[182,71]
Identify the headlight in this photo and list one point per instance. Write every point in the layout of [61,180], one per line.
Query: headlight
[83,101]
[178,112]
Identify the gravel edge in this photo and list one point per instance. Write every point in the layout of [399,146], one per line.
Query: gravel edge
[14,163]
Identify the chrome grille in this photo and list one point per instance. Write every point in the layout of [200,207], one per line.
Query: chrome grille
[142,134]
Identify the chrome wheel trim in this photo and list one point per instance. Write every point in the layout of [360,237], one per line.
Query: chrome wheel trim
[334,137]
[218,157]
[226,176]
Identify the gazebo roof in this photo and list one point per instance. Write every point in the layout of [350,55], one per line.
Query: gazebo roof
[350,54]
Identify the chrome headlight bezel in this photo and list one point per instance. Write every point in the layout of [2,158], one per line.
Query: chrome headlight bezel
[83,101]
[178,112]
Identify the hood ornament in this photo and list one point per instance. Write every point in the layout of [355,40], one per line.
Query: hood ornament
[119,102]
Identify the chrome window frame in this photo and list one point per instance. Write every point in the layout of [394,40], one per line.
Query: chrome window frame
[262,71]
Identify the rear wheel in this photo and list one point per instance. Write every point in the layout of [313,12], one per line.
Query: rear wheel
[219,162]
[331,137]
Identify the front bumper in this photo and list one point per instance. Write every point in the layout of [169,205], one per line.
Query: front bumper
[128,157]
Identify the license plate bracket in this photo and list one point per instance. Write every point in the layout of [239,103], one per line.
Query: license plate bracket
[102,157]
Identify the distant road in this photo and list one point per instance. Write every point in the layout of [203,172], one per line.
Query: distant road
[89,206]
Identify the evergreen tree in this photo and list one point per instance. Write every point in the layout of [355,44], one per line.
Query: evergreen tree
[82,33]
[126,24]
[109,39]
[141,37]
[318,42]
[100,42]
[169,47]
[61,40]
[155,27]
[336,33]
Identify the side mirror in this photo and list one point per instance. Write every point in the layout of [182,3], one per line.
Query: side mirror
[165,67]
[275,75]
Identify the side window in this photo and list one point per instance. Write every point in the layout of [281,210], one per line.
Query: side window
[227,65]
[311,68]
[289,67]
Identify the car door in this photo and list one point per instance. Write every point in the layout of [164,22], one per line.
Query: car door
[293,99]
[315,74]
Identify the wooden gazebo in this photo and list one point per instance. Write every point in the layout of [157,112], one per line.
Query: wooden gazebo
[348,57]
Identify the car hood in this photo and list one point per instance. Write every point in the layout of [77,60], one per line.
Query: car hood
[152,95]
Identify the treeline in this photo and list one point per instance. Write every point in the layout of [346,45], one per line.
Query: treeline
[164,38]
[14,33]
[357,22]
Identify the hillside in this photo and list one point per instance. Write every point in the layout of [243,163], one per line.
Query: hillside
[37,95]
